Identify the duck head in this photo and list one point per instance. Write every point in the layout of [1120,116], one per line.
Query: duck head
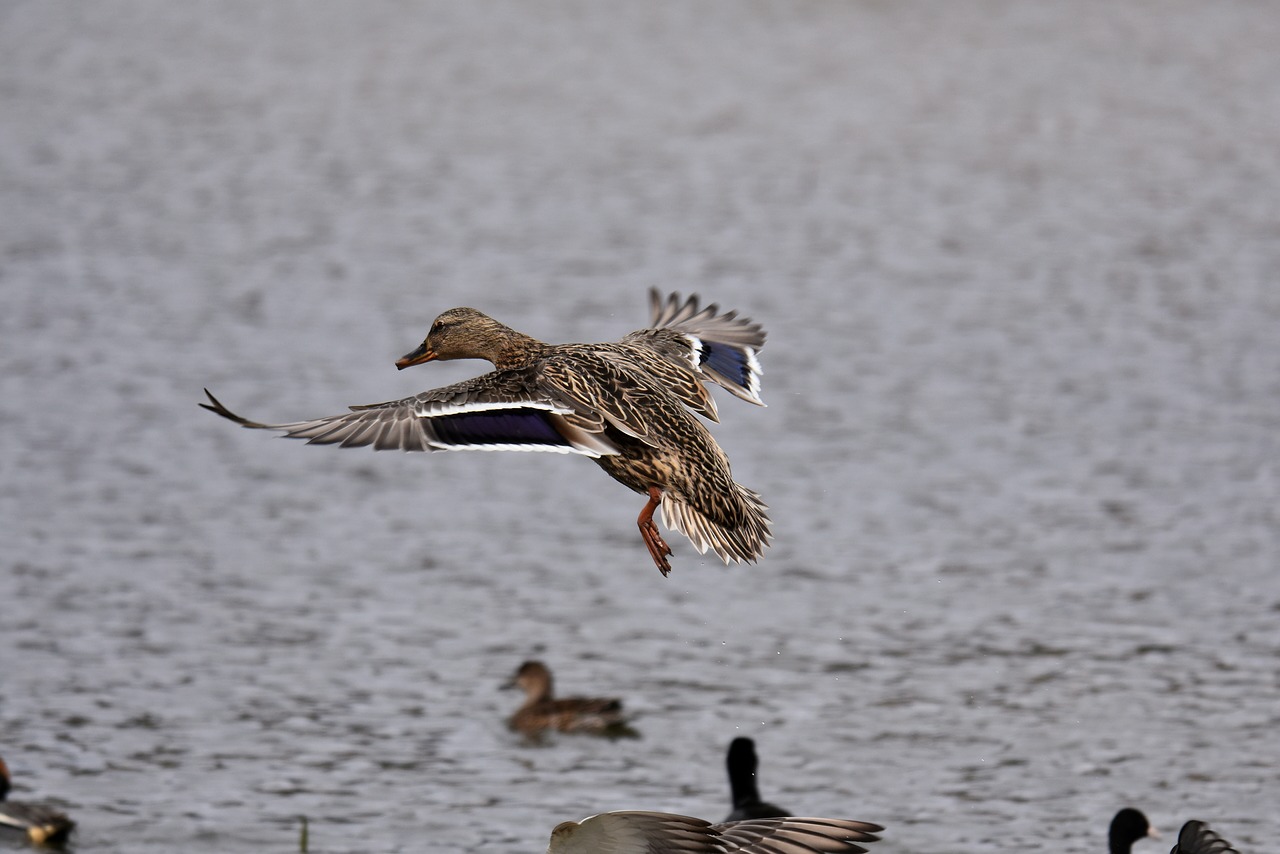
[533,678]
[464,333]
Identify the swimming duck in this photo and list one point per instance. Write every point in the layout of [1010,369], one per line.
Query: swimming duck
[649,832]
[541,711]
[627,405]
[42,825]
[741,762]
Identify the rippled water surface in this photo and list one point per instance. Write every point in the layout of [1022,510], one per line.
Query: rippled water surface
[1018,265]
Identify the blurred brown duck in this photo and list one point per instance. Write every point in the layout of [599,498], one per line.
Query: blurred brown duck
[43,825]
[627,405]
[541,711]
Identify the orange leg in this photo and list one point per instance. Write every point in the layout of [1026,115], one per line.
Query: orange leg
[658,548]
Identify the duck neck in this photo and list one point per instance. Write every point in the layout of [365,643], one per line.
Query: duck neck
[1118,842]
[517,350]
[742,784]
[539,692]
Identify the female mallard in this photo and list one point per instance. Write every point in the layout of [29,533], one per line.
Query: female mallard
[41,824]
[647,832]
[542,711]
[624,404]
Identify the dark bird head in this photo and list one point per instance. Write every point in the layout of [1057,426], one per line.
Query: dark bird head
[1128,827]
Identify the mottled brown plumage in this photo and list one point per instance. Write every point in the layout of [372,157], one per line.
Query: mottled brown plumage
[542,711]
[629,405]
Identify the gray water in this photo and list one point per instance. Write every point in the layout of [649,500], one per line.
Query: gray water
[1018,264]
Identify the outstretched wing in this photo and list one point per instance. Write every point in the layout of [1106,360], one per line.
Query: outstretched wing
[499,411]
[718,347]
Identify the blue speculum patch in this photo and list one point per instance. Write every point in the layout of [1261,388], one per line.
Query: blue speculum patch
[725,361]
[499,427]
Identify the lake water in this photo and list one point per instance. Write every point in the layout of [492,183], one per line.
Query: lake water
[1018,265]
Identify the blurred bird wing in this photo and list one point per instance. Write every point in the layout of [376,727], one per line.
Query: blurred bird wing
[1196,838]
[664,833]
[633,833]
[21,815]
[11,817]
[795,835]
